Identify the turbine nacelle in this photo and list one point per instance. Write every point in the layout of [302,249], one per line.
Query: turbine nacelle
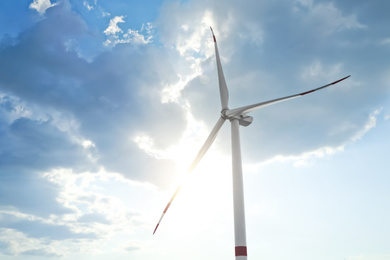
[243,119]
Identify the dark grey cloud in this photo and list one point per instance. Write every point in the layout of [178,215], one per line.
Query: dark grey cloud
[28,147]
[27,192]
[36,144]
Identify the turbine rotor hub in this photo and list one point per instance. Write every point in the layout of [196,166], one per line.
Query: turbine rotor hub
[223,113]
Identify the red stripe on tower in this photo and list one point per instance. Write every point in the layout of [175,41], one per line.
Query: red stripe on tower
[241,251]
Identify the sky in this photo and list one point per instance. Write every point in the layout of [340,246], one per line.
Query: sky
[103,105]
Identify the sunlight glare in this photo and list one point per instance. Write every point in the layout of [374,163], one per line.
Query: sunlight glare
[206,192]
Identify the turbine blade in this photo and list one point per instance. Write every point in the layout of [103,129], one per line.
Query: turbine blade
[250,108]
[223,90]
[167,207]
[210,139]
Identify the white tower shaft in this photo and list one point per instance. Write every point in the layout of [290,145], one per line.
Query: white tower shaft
[238,194]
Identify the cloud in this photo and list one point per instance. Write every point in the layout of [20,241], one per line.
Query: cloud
[78,134]
[115,95]
[328,18]
[26,192]
[134,36]
[59,111]
[41,5]
[88,6]
[41,252]
[385,41]
[113,27]
[94,215]
[38,229]
[131,246]
[371,123]
[94,218]
[144,36]
[38,145]
[13,243]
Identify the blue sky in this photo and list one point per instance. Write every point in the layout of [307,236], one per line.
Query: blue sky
[103,105]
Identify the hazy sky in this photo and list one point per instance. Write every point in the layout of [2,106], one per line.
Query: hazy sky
[103,105]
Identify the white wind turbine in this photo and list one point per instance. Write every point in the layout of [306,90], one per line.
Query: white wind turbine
[237,116]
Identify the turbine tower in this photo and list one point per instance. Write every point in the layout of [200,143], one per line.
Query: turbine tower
[237,117]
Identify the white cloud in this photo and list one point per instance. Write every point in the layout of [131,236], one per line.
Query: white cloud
[18,243]
[104,13]
[371,123]
[254,33]
[136,37]
[171,93]
[303,159]
[100,215]
[88,6]
[41,5]
[328,18]
[307,158]
[188,31]
[317,71]
[145,143]
[113,27]
[385,41]
[131,36]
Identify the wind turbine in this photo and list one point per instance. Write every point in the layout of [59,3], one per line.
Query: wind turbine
[237,117]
